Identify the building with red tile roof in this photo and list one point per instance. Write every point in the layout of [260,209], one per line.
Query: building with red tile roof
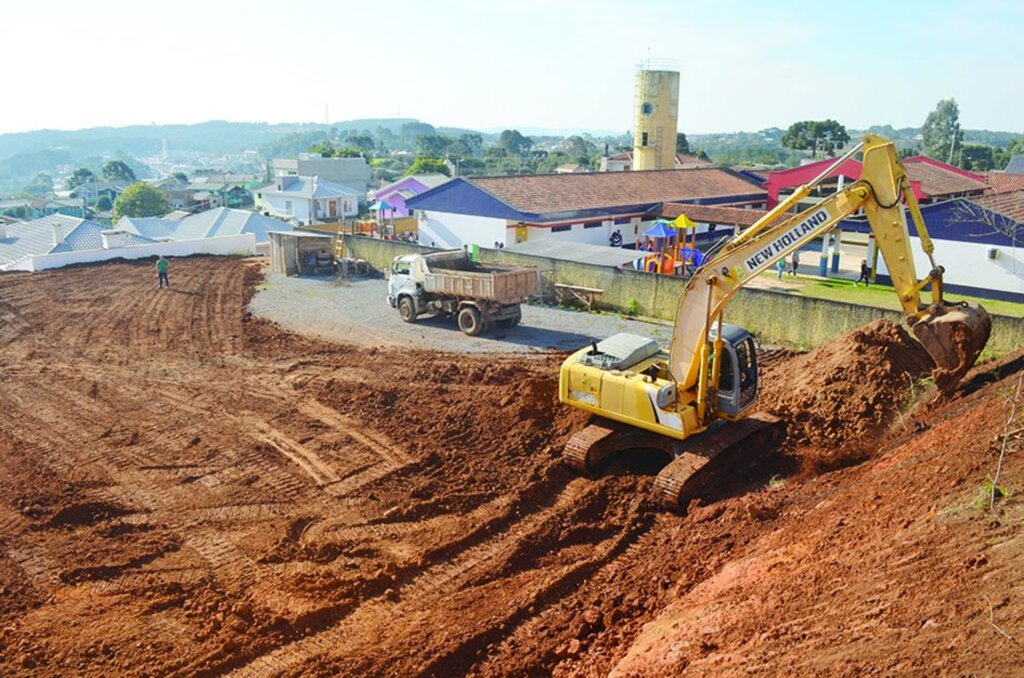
[587,207]
[929,178]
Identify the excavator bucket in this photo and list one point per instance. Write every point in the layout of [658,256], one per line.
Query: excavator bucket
[954,335]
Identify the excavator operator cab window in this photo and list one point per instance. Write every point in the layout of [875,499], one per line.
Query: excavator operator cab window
[737,378]
[746,366]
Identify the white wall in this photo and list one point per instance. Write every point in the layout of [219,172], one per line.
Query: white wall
[599,235]
[225,245]
[275,204]
[452,231]
[968,264]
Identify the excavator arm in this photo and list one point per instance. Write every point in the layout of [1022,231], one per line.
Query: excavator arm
[952,334]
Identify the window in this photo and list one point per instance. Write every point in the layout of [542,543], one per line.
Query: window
[561,229]
[596,224]
[401,268]
[643,139]
[647,109]
[288,206]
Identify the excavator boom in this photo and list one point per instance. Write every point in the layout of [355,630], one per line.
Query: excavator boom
[953,334]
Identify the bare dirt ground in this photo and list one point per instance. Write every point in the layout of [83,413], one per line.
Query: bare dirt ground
[188,490]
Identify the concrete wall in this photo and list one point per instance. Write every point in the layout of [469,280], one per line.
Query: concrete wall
[776,317]
[351,172]
[244,244]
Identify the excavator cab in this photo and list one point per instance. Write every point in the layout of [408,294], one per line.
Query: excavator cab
[737,378]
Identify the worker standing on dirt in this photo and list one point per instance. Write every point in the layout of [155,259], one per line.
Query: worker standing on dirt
[161,273]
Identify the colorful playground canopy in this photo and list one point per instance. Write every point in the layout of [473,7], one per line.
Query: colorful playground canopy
[381,206]
[661,229]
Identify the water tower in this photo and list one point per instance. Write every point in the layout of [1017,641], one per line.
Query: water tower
[656,117]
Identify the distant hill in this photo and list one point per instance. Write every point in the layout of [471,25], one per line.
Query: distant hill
[215,136]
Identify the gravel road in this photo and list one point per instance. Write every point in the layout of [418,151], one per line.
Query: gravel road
[358,312]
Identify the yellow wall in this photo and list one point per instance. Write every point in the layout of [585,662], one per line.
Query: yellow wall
[660,91]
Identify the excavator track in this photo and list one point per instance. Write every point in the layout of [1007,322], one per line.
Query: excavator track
[705,458]
[588,448]
[696,461]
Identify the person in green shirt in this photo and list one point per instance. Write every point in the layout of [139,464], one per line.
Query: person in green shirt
[161,273]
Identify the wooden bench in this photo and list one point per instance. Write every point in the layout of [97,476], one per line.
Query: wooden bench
[587,296]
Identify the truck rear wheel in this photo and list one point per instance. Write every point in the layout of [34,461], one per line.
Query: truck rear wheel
[407,310]
[470,321]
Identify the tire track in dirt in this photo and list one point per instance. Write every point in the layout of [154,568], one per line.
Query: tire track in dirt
[355,631]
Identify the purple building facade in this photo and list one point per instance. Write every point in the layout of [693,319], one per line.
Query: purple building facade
[408,187]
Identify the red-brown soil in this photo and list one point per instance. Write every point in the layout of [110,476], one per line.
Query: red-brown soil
[189,490]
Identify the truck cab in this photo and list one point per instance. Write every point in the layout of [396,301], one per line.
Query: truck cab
[405,279]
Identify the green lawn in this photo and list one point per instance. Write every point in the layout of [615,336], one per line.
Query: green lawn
[884,296]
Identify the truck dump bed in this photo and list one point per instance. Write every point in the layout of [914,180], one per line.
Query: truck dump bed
[453,274]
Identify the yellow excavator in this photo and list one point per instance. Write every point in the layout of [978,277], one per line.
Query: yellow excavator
[696,401]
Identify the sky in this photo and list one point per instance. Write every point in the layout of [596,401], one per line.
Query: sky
[557,64]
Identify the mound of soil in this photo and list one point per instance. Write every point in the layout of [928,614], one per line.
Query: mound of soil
[848,390]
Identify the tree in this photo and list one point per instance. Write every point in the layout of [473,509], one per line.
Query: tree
[115,170]
[468,145]
[363,142]
[181,177]
[580,150]
[514,142]
[941,132]
[682,145]
[104,204]
[1002,157]
[428,166]
[322,148]
[828,135]
[40,185]
[141,200]
[433,145]
[348,152]
[78,177]
[977,157]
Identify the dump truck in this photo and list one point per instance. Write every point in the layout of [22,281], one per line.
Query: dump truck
[450,283]
[697,401]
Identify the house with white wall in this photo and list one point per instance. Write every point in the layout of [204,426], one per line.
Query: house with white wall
[307,200]
[585,207]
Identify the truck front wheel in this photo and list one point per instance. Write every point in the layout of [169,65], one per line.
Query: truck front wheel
[407,310]
[470,321]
